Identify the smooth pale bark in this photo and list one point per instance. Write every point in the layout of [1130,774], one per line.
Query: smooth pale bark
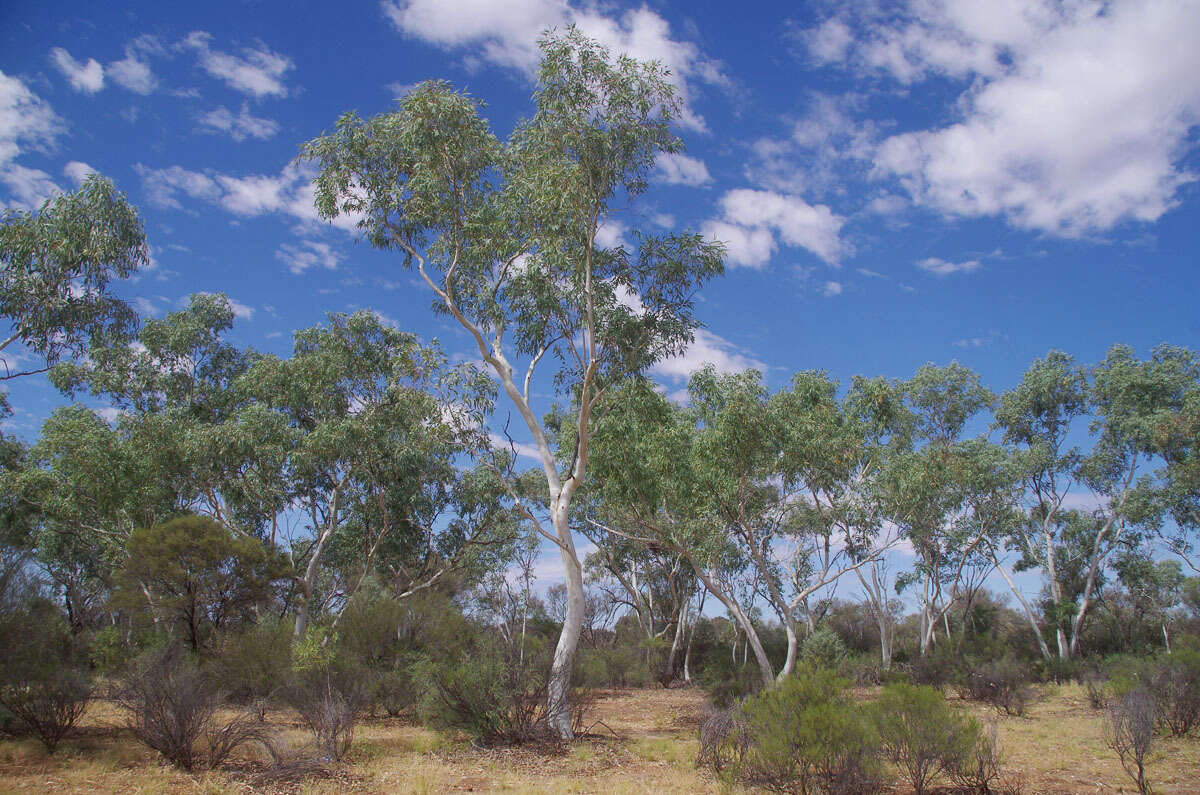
[1027,610]
[877,601]
[309,580]
[735,609]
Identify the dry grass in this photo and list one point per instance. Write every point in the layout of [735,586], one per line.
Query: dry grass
[644,742]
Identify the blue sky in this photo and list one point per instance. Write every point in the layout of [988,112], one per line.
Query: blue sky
[897,183]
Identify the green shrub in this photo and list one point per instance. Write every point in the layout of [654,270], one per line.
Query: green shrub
[728,682]
[44,682]
[802,734]
[921,734]
[1004,684]
[823,649]
[1175,683]
[255,664]
[494,693]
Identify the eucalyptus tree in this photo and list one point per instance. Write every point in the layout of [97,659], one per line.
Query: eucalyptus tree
[924,497]
[1037,417]
[655,582]
[57,265]
[1132,401]
[86,486]
[374,420]
[176,383]
[1178,441]
[644,487]
[505,235]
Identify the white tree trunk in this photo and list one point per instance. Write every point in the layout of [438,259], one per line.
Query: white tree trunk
[559,686]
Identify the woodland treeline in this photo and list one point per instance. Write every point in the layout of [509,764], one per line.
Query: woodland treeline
[346,528]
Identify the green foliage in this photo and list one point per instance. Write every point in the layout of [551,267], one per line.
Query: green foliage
[1175,685]
[197,573]
[921,734]
[823,649]
[44,682]
[57,265]
[1002,683]
[255,663]
[804,734]
[495,693]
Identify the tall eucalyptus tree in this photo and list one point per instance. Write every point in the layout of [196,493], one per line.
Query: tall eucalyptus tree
[505,235]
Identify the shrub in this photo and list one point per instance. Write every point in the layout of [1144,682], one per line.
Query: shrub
[921,734]
[1094,684]
[1175,684]
[43,683]
[803,733]
[328,711]
[394,690]
[937,668]
[1004,684]
[1131,733]
[328,689]
[728,682]
[494,693]
[48,707]
[823,649]
[982,767]
[256,663]
[171,708]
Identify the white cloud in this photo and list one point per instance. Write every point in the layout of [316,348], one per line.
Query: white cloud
[611,234]
[679,169]
[87,78]
[749,247]
[706,348]
[827,146]
[28,187]
[77,171]
[26,123]
[753,220]
[162,186]
[506,34]
[289,193]
[26,120]
[520,448]
[941,267]
[241,126]
[308,254]
[132,72]
[258,72]
[830,289]
[1074,117]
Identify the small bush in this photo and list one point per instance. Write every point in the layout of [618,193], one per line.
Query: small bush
[1094,684]
[44,686]
[494,693]
[255,664]
[1175,684]
[921,734]
[328,711]
[982,768]
[823,649]
[171,708]
[48,707]
[1004,684]
[937,668]
[1131,733]
[394,691]
[802,734]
